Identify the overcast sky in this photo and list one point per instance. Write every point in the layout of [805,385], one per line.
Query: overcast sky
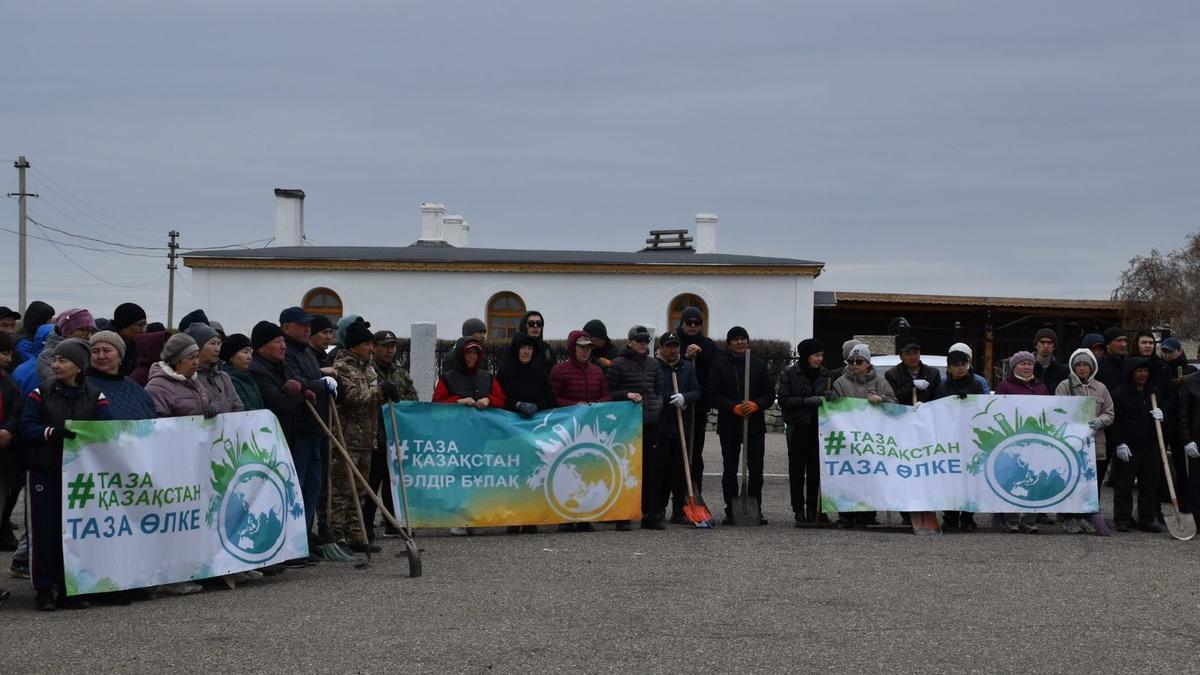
[1024,149]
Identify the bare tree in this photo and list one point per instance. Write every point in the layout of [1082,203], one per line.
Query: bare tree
[1162,288]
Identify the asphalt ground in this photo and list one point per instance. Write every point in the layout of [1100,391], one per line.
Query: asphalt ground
[770,598]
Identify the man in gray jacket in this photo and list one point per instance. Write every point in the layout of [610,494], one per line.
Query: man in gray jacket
[636,376]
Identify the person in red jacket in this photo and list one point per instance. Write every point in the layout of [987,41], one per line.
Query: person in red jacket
[466,383]
[578,380]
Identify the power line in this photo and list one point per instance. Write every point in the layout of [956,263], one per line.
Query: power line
[98,241]
[72,245]
[69,197]
[244,244]
[83,269]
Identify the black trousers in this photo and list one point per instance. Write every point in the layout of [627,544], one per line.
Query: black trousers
[655,480]
[698,417]
[731,453]
[381,483]
[803,468]
[676,483]
[1145,467]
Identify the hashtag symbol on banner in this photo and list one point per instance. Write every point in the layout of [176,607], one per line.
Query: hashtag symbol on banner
[81,491]
[835,442]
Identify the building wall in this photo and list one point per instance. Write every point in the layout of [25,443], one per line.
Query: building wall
[775,307]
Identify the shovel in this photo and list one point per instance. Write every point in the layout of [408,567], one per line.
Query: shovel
[337,421]
[330,549]
[923,522]
[747,509]
[696,513]
[1180,527]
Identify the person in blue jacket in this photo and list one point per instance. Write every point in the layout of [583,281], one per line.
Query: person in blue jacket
[670,357]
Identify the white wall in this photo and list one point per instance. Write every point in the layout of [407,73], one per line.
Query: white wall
[776,307]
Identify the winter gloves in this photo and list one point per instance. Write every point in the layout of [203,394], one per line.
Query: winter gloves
[390,391]
[745,409]
[58,433]
[1191,450]
[921,385]
[210,410]
[1123,453]
[330,385]
[526,409]
[676,400]
[1096,424]
[292,388]
[1157,414]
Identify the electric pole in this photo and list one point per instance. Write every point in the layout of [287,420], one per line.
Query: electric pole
[21,164]
[172,246]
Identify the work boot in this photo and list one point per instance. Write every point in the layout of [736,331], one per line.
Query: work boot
[1071,525]
[951,522]
[677,516]
[652,523]
[623,526]
[728,520]
[1150,526]
[359,547]
[799,520]
[967,522]
[45,601]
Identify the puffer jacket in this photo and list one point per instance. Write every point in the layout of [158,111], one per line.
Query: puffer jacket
[127,400]
[633,373]
[850,385]
[359,398]
[797,383]
[573,382]
[1134,425]
[1012,386]
[902,383]
[48,406]
[689,386]
[1073,386]
[218,385]
[173,394]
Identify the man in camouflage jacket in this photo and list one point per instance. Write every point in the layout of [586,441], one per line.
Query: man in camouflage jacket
[396,385]
[359,398]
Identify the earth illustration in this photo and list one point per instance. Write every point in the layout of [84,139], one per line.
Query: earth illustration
[255,533]
[584,483]
[1032,471]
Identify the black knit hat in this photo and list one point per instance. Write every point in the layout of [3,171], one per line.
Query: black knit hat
[692,313]
[232,344]
[264,332]
[736,332]
[196,315]
[1113,333]
[126,314]
[808,347]
[596,328]
[1045,333]
[321,322]
[358,333]
[76,351]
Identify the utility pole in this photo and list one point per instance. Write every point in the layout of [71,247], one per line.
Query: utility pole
[21,164]
[172,246]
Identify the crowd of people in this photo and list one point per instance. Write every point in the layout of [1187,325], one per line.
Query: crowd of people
[70,365]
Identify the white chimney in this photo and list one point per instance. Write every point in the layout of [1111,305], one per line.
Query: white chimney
[431,222]
[455,229]
[706,233]
[289,217]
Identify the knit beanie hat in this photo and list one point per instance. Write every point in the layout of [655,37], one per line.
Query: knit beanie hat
[596,328]
[473,326]
[1092,339]
[201,333]
[1113,333]
[177,347]
[808,347]
[1020,357]
[111,338]
[196,315]
[264,332]
[216,325]
[691,314]
[905,343]
[76,351]
[74,319]
[320,322]
[736,332]
[232,345]
[859,351]
[126,314]
[847,346]
[959,353]
[1045,333]
[358,333]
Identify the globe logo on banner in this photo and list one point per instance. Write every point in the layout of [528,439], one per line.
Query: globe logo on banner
[584,470]
[1032,471]
[250,522]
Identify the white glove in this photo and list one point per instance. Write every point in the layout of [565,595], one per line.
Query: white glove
[916,405]
[330,384]
[921,385]
[1123,453]
[1096,424]
[1156,413]
[1191,450]
[676,400]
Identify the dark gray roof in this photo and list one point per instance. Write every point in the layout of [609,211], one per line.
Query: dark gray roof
[446,253]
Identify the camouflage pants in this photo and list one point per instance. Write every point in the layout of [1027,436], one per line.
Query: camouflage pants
[344,516]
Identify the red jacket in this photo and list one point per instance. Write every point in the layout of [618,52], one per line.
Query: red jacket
[441,394]
[573,382]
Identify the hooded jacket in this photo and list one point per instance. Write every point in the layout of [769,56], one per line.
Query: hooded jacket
[26,374]
[463,382]
[543,353]
[218,385]
[45,358]
[862,386]
[726,389]
[799,382]
[127,400]
[689,386]
[573,382]
[173,394]
[1073,386]
[359,398]
[1188,426]
[633,373]
[36,316]
[1133,425]
[150,346]
[524,382]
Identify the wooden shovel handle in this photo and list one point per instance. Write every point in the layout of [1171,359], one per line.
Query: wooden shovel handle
[1162,448]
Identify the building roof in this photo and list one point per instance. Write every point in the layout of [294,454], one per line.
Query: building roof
[443,257]
[843,298]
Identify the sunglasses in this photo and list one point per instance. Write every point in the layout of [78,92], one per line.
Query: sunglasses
[693,322]
[856,362]
[535,324]
[644,340]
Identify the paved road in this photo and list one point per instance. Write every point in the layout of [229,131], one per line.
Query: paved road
[765,599]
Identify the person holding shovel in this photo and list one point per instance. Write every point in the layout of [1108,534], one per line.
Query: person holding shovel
[740,415]
[1136,443]
[802,389]
[360,396]
[677,402]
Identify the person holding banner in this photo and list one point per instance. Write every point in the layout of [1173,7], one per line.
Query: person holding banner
[65,396]
[636,375]
[1021,381]
[961,382]
[236,355]
[575,381]
[1136,442]
[127,400]
[802,389]
[468,383]
[173,385]
[1082,382]
[861,380]
[726,390]
[911,380]
[526,390]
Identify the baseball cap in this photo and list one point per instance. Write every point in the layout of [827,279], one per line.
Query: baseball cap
[383,337]
[294,315]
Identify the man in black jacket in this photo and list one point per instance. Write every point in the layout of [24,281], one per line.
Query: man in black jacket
[302,365]
[911,375]
[726,391]
[675,368]
[1045,367]
[635,375]
[802,389]
[1111,366]
[701,351]
[1136,442]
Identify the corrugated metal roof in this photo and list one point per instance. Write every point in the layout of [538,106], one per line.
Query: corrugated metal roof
[974,301]
[449,254]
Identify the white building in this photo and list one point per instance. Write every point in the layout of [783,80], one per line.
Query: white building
[440,279]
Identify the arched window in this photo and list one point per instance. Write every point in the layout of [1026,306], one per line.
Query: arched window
[504,313]
[682,302]
[323,301]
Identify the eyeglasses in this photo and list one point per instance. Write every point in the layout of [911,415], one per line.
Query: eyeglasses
[693,322]
[535,324]
[856,362]
[643,340]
